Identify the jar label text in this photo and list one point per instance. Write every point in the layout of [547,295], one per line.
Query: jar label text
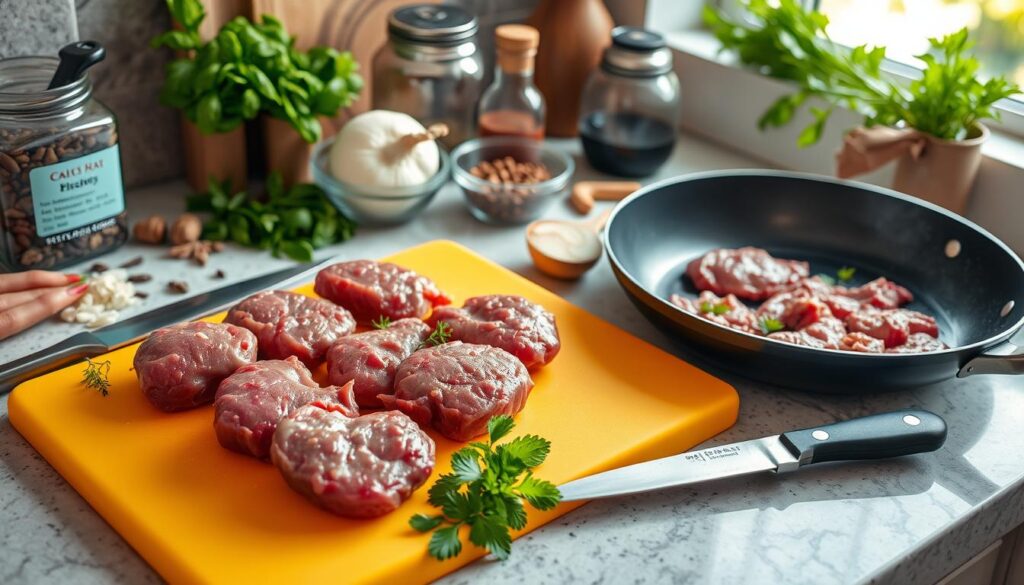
[76,193]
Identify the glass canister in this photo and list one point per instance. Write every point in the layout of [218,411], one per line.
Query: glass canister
[630,106]
[430,68]
[61,190]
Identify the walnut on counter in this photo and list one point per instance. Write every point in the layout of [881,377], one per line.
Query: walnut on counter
[150,230]
[186,229]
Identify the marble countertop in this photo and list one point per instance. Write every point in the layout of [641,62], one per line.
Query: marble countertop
[909,521]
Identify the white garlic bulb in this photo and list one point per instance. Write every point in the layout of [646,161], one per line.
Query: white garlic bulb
[381,148]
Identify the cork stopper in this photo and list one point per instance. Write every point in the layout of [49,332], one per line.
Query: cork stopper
[517,47]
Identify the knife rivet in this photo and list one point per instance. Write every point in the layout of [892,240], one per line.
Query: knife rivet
[911,420]
[820,435]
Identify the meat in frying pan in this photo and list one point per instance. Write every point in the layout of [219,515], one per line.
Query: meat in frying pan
[180,367]
[369,359]
[457,387]
[359,467]
[512,323]
[811,311]
[289,324]
[371,290]
[251,401]
[749,273]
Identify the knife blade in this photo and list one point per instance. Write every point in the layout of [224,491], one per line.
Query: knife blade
[93,343]
[891,434]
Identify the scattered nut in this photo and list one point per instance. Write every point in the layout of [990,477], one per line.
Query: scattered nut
[150,230]
[187,228]
[140,278]
[141,295]
[99,268]
[199,251]
[177,286]
[508,170]
[219,274]
[131,263]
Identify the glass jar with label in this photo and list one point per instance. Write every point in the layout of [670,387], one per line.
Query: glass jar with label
[61,192]
[430,68]
[629,112]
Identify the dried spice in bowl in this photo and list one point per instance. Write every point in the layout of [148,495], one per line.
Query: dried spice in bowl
[61,190]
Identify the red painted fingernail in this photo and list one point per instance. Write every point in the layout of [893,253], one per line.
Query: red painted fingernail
[72,278]
[75,291]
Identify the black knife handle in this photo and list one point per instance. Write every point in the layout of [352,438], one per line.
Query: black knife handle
[891,434]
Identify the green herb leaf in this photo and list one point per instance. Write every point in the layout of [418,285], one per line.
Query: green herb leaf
[424,523]
[846,273]
[491,532]
[541,494]
[382,322]
[490,499]
[445,543]
[769,325]
[706,307]
[96,376]
[466,465]
[300,250]
[499,426]
[441,334]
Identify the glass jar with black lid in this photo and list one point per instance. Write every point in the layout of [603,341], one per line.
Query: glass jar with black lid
[629,111]
[61,191]
[431,68]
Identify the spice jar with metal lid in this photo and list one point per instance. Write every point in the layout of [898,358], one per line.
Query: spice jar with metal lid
[61,191]
[430,68]
[630,106]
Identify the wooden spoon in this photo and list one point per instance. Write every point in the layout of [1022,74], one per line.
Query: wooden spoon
[566,249]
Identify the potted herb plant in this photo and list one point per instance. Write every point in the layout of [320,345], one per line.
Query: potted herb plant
[933,125]
[252,68]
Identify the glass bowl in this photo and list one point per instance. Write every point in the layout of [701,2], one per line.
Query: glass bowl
[510,203]
[375,205]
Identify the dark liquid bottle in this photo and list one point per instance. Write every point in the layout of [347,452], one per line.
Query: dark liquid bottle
[626,144]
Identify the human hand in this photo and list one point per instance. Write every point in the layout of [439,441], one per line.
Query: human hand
[27,298]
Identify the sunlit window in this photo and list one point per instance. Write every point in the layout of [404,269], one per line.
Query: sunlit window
[904,26]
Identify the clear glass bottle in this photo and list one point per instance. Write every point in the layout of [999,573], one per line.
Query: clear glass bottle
[430,68]
[629,113]
[61,191]
[512,105]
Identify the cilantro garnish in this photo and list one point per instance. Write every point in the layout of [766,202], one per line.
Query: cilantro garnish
[484,492]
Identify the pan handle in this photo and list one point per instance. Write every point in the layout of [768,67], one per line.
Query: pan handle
[1006,358]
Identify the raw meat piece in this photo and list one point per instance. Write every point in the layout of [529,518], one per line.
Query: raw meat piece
[514,324]
[251,401]
[371,290]
[180,367]
[749,273]
[893,326]
[862,342]
[457,387]
[370,359]
[827,329]
[880,293]
[739,316]
[356,467]
[802,338]
[918,343]
[289,324]
[796,308]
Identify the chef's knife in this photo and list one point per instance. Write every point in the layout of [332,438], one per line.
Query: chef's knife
[100,341]
[902,432]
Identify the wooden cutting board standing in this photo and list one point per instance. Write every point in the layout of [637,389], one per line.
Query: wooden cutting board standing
[201,514]
[359,26]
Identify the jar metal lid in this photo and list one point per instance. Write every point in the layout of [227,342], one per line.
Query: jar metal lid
[23,91]
[637,52]
[432,24]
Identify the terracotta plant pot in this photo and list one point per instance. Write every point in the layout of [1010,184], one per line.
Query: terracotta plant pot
[944,171]
[286,151]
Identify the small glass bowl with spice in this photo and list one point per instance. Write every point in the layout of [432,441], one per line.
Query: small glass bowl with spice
[510,180]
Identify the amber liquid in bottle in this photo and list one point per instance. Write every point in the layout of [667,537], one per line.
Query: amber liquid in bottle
[512,105]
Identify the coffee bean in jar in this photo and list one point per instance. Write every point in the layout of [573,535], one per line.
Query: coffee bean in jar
[61,190]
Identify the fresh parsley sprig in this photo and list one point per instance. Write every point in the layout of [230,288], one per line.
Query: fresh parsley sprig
[288,222]
[484,492]
[96,376]
[441,335]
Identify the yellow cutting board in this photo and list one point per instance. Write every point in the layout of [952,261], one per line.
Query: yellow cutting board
[201,514]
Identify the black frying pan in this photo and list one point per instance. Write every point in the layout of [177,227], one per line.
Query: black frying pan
[977,294]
